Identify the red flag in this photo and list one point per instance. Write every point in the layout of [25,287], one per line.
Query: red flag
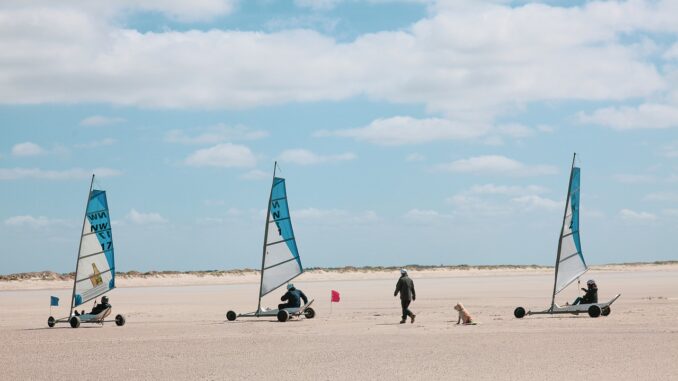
[335,296]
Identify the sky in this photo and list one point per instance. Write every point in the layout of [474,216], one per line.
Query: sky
[409,132]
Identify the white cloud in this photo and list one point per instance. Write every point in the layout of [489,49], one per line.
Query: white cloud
[402,130]
[495,164]
[546,129]
[177,10]
[27,149]
[325,5]
[317,4]
[536,202]
[414,157]
[425,216]
[140,218]
[42,174]
[661,197]
[645,116]
[215,134]
[670,212]
[98,120]
[511,190]
[334,216]
[478,206]
[210,221]
[628,178]
[306,157]
[214,202]
[225,155]
[490,200]
[39,222]
[670,150]
[633,216]
[465,59]
[515,130]
[97,143]
[256,174]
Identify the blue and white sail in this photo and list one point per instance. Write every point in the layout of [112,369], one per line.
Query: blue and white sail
[570,263]
[281,262]
[95,274]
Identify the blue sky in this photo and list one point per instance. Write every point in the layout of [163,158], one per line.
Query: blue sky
[429,132]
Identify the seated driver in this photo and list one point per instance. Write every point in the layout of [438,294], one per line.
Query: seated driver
[98,308]
[293,298]
[591,293]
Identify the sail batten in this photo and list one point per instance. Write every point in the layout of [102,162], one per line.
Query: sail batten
[570,259]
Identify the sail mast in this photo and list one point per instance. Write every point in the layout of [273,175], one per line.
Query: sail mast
[562,228]
[77,262]
[263,254]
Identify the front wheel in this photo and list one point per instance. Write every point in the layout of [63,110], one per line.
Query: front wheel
[309,313]
[75,322]
[519,312]
[606,311]
[594,311]
[119,320]
[51,322]
[230,315]
[283,316]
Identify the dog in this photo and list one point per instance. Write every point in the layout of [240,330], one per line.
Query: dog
[464,316]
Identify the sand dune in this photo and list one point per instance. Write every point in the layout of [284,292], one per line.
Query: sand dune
[176,329]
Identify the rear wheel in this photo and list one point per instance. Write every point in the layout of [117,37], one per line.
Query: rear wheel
[519,312]
[606,311]
[283,316]
[594,311]
[75,322]
[119,320]
[230,315]
[51,322]
[309,313]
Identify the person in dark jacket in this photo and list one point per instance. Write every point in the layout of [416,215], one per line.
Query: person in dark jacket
[405,287]
[591,293]
[98,308]
[293,298]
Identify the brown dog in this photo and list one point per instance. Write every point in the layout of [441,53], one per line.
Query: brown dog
[464,316]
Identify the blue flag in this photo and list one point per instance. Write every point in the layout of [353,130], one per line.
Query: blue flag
[53,301]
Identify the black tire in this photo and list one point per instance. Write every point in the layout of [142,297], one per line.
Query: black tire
[606,311]
[519,312]
[51,322]
[230,315]
[309,313]
[594,311]
[283,316]
[75,322]
[120,320]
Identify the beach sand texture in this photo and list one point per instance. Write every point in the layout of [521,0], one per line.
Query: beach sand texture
[179,331]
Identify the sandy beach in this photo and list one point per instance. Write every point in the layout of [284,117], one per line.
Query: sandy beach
[176,329]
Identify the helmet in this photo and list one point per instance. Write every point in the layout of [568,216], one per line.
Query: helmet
[290,286]
[104,299]
[591,282]
[403,271]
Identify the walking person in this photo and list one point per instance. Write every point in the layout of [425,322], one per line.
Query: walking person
[405,287]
